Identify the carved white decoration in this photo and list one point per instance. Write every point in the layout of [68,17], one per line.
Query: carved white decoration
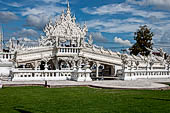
[65,28]
[90,40]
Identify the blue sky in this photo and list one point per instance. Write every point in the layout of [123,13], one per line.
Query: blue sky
[111,22]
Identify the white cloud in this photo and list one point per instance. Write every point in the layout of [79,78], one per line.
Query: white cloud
[55,1]
[6,16]
[98,37]
[48,10]
[26,33]
[122,42]
[115,25]
[23,40]
[121,9]
[108,9]
[13,4]
[25,36]
[37,21]
[160,4]
[38,16]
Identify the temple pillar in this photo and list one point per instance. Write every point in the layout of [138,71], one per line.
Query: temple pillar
[80,74]
[46,66]
[97,69]
[112,70]
[36,65]
[56,64]
[24,66]
[88,71]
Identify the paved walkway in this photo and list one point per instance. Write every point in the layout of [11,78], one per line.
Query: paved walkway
[111,84]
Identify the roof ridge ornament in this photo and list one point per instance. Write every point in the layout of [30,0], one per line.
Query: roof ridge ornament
[74,19]
[68,7]
[68,4]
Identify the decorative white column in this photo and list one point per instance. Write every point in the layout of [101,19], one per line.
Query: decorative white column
[74,74]
[112,70]
[80,76]
[88,71]
[24,66]
[55,61]
[46,66]
[97,69]
[36,65]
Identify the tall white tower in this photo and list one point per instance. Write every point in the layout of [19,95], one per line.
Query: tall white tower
[1,39]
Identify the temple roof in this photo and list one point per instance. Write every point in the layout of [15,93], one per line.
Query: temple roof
[65,27]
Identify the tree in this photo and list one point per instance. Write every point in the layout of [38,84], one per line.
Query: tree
[143,38]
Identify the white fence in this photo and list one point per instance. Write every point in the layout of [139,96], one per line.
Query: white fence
[31,75]
[145,74]
[6,56]
[68,50]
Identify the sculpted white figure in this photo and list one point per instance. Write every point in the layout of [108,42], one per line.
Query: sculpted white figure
[162,52]
[124,59]
[90,40]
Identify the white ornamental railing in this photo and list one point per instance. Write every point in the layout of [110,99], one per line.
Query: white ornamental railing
[6,56]
[145,74]
[27,75]
[31,75]
[72,50]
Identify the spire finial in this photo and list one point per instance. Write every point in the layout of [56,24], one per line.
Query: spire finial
[68,7]
[68,4]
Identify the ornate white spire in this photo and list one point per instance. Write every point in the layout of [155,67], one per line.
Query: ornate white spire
[68,4]
[65,28]
[74,18]
[62,16]
[68,7]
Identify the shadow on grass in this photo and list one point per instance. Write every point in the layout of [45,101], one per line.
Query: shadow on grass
[21,110]
[153,99]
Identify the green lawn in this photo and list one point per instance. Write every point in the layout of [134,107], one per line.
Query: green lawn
[82,100]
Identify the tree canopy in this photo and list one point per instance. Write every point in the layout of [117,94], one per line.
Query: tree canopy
[143,37]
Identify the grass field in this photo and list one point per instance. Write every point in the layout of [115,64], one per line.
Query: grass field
[82,100]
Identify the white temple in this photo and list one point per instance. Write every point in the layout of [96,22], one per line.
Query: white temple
[63,54]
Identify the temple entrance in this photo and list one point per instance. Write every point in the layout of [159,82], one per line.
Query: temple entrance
[102,71]
[107,71]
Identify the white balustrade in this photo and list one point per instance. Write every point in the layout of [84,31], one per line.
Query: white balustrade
[145,74]
[27,75]
[81,75]
[6,56]
[69,50]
